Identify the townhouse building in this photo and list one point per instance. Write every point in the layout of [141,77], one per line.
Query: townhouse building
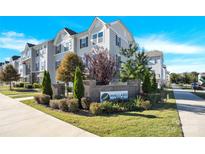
[156,63]
[35,58]
[14,61]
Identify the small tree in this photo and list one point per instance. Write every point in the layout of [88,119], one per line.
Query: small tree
[9,74]
[154,82]
[66,70]
[101,65]
[46,84]
[146,85]
[78,86]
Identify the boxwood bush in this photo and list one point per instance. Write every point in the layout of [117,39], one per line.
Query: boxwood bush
[42,99]
[85,102]
[54,104]
[73,105]
[36,85]
[63,105]
[28,86]
[95,108]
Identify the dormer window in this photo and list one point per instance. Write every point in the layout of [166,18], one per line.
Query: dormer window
[84,42]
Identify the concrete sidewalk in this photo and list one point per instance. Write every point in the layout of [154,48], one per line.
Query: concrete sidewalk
[18,119]
[191,110]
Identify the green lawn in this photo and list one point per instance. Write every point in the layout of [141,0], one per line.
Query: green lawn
[18,92]
[162,120]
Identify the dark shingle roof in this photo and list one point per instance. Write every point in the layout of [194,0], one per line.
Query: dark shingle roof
[1,63]
[71,32]
[15,57]
[30,45]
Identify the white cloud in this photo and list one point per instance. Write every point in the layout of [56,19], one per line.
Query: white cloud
[7,59]
[181,65]
[12,34]
[16,41]
[163,43]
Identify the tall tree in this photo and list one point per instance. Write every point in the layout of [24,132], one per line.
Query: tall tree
[101,65]
[135,65]
[78,86]
[9,74]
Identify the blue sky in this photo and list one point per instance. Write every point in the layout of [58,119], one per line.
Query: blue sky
[182,39]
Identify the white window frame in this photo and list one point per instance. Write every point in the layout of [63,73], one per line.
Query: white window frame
[102,37]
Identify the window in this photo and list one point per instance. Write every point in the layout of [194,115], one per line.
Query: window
[43,64]
[37,53]
[58,49]
[100,37]
[118,41]
[94,39]
[152,61]
[57,64]
[94,36]
[67,46]
[84,42]
[37,66]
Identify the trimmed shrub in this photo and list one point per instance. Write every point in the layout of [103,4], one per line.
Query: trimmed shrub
[153,98]
[42,99]
[95,108]
[107,107]
[28,86]
[69,89]
[130,105]
[143,104]
[146,105]
[73,105]
[36,85]
[63,105]
[21,84]
[85,102]
[54,104]
[58,97]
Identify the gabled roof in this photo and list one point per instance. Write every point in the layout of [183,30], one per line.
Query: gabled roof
[64,30]
[94,22]
[154,53]
[123,25]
